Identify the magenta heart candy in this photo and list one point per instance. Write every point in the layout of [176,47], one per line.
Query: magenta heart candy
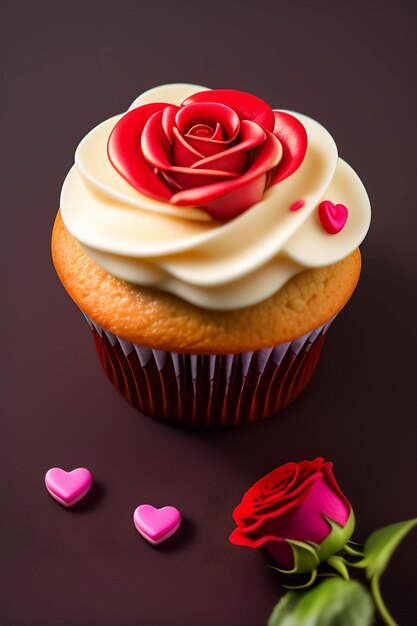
[332,216]
[68,487]
[156,525]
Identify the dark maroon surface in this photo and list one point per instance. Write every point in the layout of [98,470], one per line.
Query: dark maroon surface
[64,68]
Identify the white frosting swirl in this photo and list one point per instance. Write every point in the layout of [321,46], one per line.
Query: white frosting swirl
[183,251]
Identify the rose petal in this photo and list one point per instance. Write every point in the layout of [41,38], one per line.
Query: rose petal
[208,147]
[280,551]
[259,494]
[290,500]
[265,157]
[247,106]
[253,523]
[235,202]
[304,518]
[188,178]
[218,134]
[154,142]
[306,521]
[235,161]
[202,130]
[286,478]
[341,517]
[287,474]
[125,155]
[277,547]
[293,137]
[302,474]
[183,154]
[279,500]
[210,113]
[237,158]
[170,181]
[168,120]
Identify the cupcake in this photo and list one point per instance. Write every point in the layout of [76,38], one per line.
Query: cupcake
[210,241]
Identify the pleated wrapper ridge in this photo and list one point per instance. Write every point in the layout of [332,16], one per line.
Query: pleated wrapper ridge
[209,391]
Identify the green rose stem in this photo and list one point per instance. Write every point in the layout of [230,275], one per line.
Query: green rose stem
[379,603]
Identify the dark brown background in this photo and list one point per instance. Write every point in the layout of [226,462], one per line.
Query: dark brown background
[65,66]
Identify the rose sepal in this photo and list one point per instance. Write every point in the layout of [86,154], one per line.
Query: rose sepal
[351,551]
[338,563]
[308,555]
[337,539]
[306,561]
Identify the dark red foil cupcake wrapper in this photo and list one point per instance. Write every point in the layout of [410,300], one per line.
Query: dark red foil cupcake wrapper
[209,391]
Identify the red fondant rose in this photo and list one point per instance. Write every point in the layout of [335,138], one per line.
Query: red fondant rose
[220,150]
[297,501]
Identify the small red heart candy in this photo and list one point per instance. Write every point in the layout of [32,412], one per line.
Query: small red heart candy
[332,216]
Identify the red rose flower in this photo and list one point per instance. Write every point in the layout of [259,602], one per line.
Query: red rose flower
[297,502]
[220,150]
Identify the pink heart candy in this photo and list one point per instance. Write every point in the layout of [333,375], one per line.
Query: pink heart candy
[332,216]
[156,525]
[68,487]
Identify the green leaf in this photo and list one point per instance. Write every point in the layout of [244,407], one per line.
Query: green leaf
[381,545]
[334,602]
[284,610]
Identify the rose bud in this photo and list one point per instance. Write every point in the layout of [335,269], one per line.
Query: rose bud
[298,513]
